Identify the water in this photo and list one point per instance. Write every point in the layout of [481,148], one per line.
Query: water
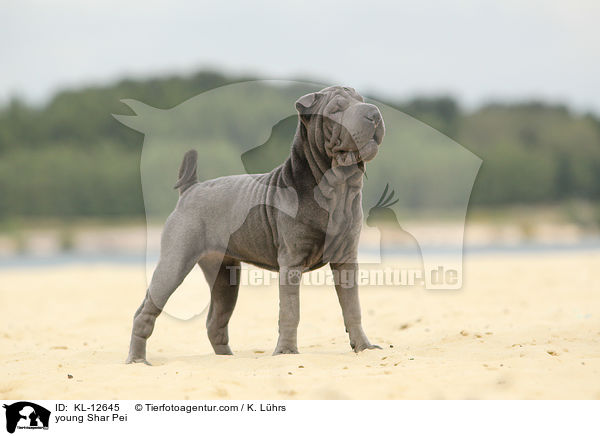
[139,259]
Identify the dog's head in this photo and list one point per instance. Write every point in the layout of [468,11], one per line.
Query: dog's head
[340,125]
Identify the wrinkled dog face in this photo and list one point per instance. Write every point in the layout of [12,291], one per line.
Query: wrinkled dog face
[338,120]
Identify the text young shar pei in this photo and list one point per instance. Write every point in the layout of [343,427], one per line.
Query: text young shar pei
[300,216]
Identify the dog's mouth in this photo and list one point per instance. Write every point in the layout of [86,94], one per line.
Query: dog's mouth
[365,153]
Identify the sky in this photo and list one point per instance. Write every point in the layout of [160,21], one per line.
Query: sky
[475,50]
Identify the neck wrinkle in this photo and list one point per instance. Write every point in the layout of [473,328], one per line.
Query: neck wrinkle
[305,149]
[303,153]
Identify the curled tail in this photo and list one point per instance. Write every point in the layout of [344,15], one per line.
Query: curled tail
[187,172]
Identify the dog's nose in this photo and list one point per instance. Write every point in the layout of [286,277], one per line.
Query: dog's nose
[374,116]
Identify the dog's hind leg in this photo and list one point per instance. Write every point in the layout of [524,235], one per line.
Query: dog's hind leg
[224,278]
[176,261]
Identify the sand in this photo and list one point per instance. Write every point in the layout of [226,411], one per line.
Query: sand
[523,327]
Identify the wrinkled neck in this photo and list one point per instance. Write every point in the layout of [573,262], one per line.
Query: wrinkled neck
[336,189]
[306,152]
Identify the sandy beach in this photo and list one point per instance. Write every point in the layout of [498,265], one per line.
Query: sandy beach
[524,326]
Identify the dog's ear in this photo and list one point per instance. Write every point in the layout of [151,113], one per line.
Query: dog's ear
[306,102]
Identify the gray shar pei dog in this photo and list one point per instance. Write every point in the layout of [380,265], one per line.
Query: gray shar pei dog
[300,216]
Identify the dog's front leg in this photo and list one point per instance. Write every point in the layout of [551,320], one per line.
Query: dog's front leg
[289,310]
[346,286]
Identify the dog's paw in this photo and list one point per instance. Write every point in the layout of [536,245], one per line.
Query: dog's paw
[222,350]
[364,346]
[137,360]
[285,350]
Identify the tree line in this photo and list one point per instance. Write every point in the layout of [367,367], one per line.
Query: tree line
[71,158]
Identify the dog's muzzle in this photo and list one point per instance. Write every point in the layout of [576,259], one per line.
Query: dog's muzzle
[366,125]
